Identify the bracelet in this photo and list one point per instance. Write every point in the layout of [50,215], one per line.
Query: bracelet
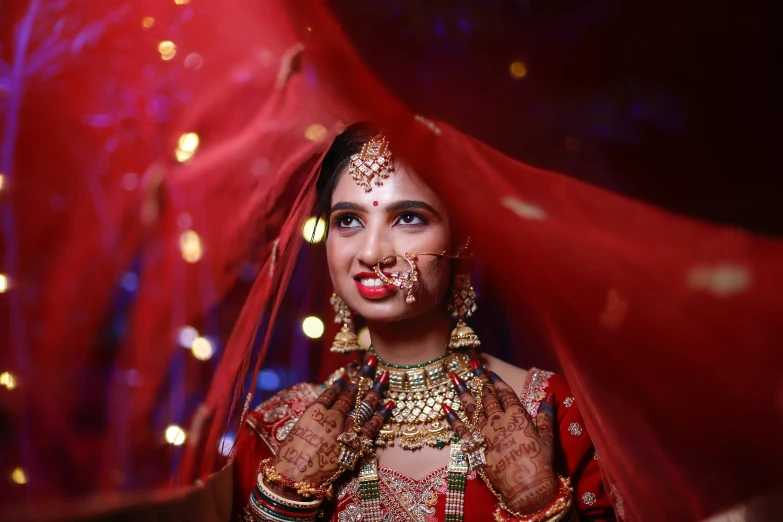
[502,516]
[261,508]
[555,511]
[307,490]
[287,503]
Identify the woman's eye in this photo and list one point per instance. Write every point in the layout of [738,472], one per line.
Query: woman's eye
[410,218]
[347,221]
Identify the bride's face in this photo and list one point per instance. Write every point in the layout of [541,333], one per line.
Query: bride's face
[404,215]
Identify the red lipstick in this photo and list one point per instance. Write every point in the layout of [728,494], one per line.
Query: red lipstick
[372,292]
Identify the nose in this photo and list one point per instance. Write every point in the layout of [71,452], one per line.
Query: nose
[376,246]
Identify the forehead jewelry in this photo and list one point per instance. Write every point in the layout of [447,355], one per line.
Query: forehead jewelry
[373,164]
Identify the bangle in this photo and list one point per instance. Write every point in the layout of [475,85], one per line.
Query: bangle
[554,512]
[267,506]
[307,490]
[261,508]
[293,505]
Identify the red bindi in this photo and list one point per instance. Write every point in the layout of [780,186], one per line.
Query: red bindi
[374,203]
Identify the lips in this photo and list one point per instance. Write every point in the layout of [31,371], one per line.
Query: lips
[371,287]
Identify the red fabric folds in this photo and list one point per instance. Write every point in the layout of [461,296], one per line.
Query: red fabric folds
[667,328]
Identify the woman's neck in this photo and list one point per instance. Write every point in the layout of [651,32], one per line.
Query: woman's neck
[411,341]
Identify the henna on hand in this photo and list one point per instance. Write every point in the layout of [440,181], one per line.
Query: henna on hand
[468,402]
[376,422]
[372,399]
[310,452]
[519,453]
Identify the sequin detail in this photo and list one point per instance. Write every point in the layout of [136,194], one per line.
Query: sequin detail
[568,401]
[574,429]
[588,499]
[402,498]
[535,390]
[595,455]
[273,419]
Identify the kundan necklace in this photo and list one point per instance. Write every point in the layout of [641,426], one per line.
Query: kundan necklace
[418,391]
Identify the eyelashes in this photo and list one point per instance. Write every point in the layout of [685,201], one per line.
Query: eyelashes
[410,219]
[407,219]
[346,221]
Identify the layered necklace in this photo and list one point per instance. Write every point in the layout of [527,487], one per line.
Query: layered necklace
[418,391]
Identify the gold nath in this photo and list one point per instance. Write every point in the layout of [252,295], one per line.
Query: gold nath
[418,392]
[373,164]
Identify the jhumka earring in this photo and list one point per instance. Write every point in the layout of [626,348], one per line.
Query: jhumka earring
[345,341]
[462,305]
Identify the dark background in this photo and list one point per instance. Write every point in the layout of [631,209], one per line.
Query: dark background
[674,103]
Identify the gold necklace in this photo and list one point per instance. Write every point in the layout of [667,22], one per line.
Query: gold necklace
[418,392]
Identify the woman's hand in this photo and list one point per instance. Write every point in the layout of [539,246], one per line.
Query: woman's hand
[311,450]
[519,450]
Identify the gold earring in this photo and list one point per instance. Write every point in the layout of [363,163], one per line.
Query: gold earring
[462,305]
[345,341]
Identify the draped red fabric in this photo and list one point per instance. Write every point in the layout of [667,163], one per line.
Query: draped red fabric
[666,327]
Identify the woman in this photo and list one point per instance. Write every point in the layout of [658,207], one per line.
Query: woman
[442,433]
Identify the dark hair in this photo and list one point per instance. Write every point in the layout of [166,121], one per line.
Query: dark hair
[345,145]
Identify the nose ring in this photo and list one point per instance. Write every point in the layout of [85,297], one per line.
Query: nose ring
[406,280]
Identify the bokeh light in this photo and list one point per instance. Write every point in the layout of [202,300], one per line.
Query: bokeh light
[193,61]
[518,70]
[167,50]
[181,2]
[8,380]
[129,282]
[313,327]
[268,380]
[186,336]
[3,283]
[315,132]
[190,246]
[186,146]
[147,22]
[226,443]
[202,349]
[175,435]
[18,476]
[364,338]
[2,181]
[314,230]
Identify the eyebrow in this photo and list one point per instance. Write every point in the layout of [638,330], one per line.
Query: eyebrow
[407,204]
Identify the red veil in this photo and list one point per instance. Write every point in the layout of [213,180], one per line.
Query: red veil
[667,328]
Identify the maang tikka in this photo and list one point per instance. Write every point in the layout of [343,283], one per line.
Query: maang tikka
[345,341]
[373,164]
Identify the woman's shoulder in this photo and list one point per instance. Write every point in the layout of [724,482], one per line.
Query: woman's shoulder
[273,419]
[531,384]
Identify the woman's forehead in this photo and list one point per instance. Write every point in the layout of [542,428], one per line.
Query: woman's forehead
[402,184]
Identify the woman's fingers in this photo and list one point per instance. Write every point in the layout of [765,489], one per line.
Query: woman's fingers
[370,403]
[329,395]
[508,398]
[479,370]
[545,418]
[376,422]
[346,400]
[466,399]
[368,367]
[489,397]
[457,426]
